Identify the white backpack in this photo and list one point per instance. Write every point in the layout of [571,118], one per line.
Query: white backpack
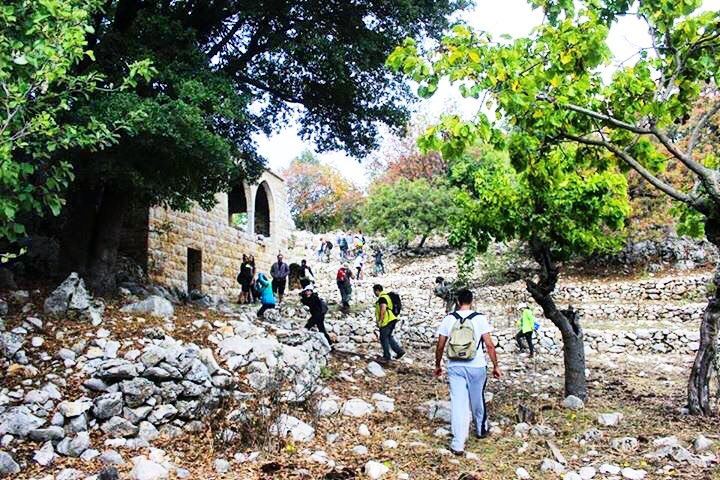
[462,342]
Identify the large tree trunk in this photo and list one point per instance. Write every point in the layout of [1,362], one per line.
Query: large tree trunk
[702,369]
[567,321]
[76,238]
[104,249]
[91,236]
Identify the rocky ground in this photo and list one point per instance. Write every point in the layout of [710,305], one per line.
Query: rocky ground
[154,390]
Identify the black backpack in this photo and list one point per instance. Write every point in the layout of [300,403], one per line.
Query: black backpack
[396,303]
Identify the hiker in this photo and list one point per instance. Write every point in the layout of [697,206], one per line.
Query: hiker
[279,273]
[267,298]
[466,333]
[305,279]
[445,290]
[358,264]
[245,279]
[318,309]
[321,251]
[343,244]
[379,265]
[344,277]
[254,292]
[526,327]
[386,320]
[328,250]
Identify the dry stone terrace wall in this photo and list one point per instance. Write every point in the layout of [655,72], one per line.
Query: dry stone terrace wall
[221,246]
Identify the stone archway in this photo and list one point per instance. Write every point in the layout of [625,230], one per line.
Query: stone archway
[263,210]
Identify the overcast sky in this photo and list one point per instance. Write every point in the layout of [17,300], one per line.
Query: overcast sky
[514,17]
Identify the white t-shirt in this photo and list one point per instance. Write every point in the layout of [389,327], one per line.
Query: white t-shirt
[480,325]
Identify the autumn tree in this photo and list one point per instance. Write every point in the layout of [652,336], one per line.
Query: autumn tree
[400,157]
[407,209]
[320,197]
[549,88]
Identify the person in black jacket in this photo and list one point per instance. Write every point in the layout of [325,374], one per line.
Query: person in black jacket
[318,309]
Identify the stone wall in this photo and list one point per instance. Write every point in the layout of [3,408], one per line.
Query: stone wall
[171,234]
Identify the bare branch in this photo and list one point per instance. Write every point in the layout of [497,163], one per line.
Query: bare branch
[700,170]
[695,134]
[635,165]
[597,115]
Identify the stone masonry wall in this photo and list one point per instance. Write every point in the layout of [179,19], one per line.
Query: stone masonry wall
[171,233]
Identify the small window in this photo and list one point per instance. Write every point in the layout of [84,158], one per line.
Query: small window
[194,270]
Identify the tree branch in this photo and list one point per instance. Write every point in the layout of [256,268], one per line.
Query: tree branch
[700,170]
[266,88]
[635,165]
[695,134]
[597,115]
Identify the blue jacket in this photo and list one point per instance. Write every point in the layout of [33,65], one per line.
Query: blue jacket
[266,294]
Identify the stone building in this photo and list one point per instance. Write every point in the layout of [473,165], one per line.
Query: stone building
[202,250]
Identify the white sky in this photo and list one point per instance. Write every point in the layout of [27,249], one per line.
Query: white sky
[514,17]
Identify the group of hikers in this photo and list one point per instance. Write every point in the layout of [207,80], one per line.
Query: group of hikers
[351,249]
[463,337]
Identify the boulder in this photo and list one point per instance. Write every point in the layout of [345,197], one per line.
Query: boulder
[153,305]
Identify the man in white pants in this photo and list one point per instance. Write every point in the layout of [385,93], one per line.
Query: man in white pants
[467,378]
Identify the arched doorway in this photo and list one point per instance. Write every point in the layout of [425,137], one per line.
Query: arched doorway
[262,211]
[237,207]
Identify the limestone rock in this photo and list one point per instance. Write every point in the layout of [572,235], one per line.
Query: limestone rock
[572,402]
[610,419]
[8,465]
[356,407]
[144,469]
[291,426]
[375,369]
[154,305]
[45,455]
[375,470]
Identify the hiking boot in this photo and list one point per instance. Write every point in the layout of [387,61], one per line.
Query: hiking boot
[484,435]
[400,355]
[457,453]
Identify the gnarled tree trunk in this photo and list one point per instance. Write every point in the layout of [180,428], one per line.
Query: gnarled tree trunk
[702,369]
[91,237]
[567,321]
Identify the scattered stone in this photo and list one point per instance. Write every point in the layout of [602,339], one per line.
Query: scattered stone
[550,465]
[145,469]
[375,470]
[632,474]
[610,419]
[375,369]
[45,455]
[389,444]
[111,457]
[586,473]
[624,444]
[360,450]
[702,443]
[572,402]
[356,407]
[298,430]
[8,465]
[609,469]
[222,466]
[153,305]
[119,427]
[522,474]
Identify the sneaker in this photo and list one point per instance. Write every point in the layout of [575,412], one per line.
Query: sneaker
[484,435]
[457,453]
[400,355]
